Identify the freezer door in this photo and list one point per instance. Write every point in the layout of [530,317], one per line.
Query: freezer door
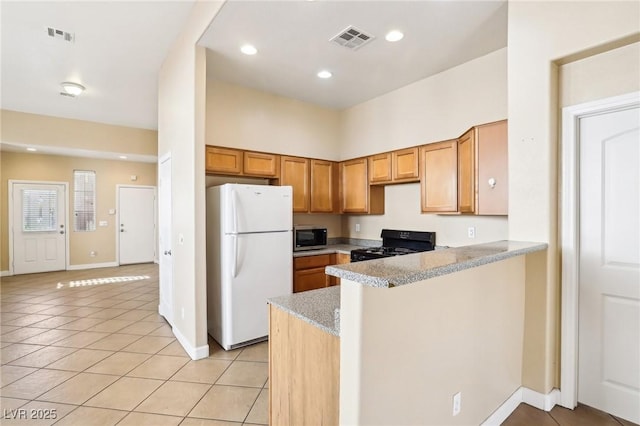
[259,267]
[257,208]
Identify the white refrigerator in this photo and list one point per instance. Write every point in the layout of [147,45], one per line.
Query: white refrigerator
[249,259]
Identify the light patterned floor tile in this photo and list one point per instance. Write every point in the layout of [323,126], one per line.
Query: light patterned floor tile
[49,337]
[36,383]
[40,413]
[10,373]
[43,357]
[16,350]
[258,352]
[259,413]
[9,404]
[216,351]
[54,322]
[78,389]
[21,334]
[81,324]
[207,422]
[149,344]
[81,339]
[159,367]
[80,360]
[89,416]
[120,363]
[230,403]
[114,342]
[110,326]
[245,373]
[146,419]
[142,328]
[174,398]
[125,394]
[174,349]
[133,315]
[26,320]
[206,370]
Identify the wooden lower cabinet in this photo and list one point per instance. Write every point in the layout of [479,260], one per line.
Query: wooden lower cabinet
[304,372]
[308,272]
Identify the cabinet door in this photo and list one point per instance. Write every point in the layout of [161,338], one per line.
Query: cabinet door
[309,279]
[261,164]
[439,183]
[466,172]
[356,195]
[380,168]
[324,186]
[223,161]
[405,165]
[294,171]
[492,169]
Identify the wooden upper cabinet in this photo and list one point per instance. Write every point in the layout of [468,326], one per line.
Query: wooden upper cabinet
[261,164]
[439,177]
[294,171]
[380,168]
[324,186]
[405,165]
[466,172]
[356,195]
[492,178]
[223,161]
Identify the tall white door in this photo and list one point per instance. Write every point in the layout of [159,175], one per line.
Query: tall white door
[164,219]
[609,289]
[39,227]
[137,224]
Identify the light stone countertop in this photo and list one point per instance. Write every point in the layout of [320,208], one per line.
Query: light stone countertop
[407,269]
[332,248]
[319,308]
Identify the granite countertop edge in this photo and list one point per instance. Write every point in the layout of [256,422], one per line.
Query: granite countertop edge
[320,308]
[408,277]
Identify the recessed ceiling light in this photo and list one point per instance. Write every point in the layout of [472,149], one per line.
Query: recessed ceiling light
[248,49]
[31,149]
[72,89]
[123,157]
[324,74]
[394,35]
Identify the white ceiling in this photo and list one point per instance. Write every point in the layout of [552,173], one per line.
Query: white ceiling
[117,53]
[119,48]
[292,38]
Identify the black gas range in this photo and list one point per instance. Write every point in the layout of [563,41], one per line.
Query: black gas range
[396,243]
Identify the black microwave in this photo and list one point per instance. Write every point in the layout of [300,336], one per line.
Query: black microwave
[309,237]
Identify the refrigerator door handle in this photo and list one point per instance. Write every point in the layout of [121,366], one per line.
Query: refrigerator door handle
[234,264]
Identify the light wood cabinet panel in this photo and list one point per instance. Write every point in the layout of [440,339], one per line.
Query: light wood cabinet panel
[439,180]
[324,186]
[294,171]
[405,165]
[466,172]
[261,164]
[223,161]
[304,372]
[492,177]
[341,259]
[308,272]
[356,195]
[380,168]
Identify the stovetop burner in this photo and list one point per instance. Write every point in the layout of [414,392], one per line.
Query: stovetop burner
[395,243]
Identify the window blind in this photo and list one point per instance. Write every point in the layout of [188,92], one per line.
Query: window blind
[84,200]
[39,210]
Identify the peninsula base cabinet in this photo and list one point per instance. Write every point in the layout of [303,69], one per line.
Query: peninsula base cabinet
[304,372]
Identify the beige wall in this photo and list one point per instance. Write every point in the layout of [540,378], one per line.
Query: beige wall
[437,108]
[181,132]
[241,117]
[401,362]
[33,129]
[109,173]
[541,34]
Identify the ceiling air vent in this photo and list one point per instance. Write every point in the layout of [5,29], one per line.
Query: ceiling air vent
[61,35]
[352,38]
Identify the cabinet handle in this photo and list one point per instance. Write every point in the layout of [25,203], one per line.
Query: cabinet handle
[492,183]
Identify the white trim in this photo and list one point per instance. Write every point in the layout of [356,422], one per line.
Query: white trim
[569,244]
[5,274]
[67,210]
[75,152]
[92,266]
[155,218]
[195,353]
[526,395]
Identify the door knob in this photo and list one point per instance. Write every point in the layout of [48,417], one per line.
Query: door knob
[62,232]
[122,230]
[167,252]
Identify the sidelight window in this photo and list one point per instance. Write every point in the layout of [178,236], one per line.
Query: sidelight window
[84,200]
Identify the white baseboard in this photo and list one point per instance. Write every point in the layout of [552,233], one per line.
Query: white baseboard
[195,353]
[526,395]
[92,266]
[5,274]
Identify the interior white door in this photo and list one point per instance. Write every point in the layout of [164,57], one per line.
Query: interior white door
[164,220]
[609,288]
[137,227]
[39,227]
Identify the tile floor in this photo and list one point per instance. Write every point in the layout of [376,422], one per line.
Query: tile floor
[583,415]
[90,347]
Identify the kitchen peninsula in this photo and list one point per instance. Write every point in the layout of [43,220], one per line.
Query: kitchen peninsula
[402,335]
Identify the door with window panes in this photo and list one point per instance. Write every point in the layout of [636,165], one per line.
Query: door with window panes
[39,227]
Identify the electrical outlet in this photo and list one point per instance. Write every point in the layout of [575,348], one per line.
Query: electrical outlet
[357,227]
[471,232]
[457,403]
[93,253]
